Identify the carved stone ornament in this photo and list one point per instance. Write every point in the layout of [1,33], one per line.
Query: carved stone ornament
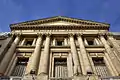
[71,34]
[39,34]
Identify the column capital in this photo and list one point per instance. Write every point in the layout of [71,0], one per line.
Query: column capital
[79,34]
[39,34]
[71,34]
[110,34]
[101,34]
[48,34]
[18,34]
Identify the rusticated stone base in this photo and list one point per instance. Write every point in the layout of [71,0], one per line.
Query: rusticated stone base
[42,77]
[45,77]
[85,78]
[29,77]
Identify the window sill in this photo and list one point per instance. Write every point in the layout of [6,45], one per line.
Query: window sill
[26,46]
[94,46]
[60,46]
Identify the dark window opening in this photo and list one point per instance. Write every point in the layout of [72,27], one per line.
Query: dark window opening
[20,67]
[0,46]
[28,43]
[98,61]
[59,43]
[60,68]
[90,42]
[100,67]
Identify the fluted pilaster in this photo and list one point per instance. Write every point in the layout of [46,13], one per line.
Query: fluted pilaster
[115,45]
[115,62]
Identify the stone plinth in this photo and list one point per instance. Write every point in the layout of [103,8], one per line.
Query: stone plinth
[42,77]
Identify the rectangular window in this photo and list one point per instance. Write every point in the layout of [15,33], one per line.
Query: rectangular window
[91,41]
[28,42]
[59,43]
[0,45]
[60,68]
[20,67]
[100,67]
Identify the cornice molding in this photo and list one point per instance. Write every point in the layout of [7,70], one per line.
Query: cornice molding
[36,27]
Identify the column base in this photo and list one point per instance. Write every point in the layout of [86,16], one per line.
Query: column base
[42,77]
[29,77]
[92,77]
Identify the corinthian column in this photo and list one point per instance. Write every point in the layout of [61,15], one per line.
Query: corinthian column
[84,55]
[6,60]
[77,69]
[114,61]
[43,68]
[36,55]
[115,44]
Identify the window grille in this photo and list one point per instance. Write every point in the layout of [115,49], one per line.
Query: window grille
[20,67]
[100,67]
[60,68]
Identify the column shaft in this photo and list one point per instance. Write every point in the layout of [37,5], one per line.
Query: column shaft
[33,44]
[84,55]
[45,57]
[10,65]
[5,62]
[23,41]
[77,69]
[115,62]
[36,54]
[96,41]
[86,43]
[65,42]
[54,42]
[69,65]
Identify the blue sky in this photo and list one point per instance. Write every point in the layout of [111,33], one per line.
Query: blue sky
[14,11]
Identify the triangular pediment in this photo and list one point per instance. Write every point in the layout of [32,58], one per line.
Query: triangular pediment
[59,21]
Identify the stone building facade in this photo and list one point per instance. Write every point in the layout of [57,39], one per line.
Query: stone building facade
[61,48]
[5,43]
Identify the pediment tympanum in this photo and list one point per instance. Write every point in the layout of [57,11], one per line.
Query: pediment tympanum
[59,22]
